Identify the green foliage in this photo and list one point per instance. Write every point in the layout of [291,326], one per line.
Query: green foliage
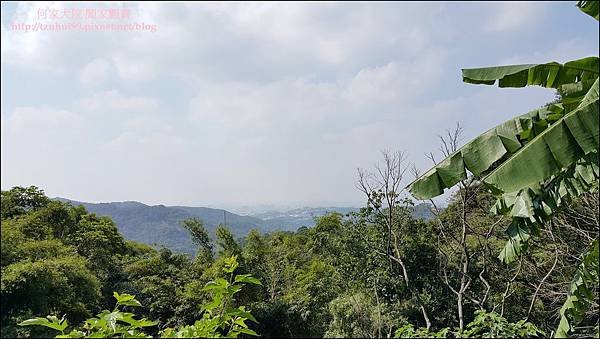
[562,139]
[591,8]
[485,325]
[24,283]
[220,318]
[580,292]
[551,74]
[160,280]
[200,238]
[358,315]
[20,200]
[314,289]
[55,258]
[64,285]
[327,280]
[409,331]
[534,205]
[106,324]
[226,243]
[492,325]
[554,137]
[50,322]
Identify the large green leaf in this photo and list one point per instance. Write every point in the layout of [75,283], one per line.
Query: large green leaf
[518,235]
[50,321]
[551,74]
[541,201]
[580,294]
[591,8]
[247,278]
[556,148]
[126,299]
[550,137]
[533,206]
[481,153]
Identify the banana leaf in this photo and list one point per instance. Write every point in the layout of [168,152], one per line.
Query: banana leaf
[546,137]
[555,149]
[591,8]
[580,293]
[533,206]
[551,74]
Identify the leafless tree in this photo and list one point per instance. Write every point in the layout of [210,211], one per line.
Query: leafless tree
[453,237]
[383,188]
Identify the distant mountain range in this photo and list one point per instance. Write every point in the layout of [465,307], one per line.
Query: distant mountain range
[293,219]
[162,225]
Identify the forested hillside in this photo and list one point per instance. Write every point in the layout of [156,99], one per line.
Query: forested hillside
[163,225]
[331,280]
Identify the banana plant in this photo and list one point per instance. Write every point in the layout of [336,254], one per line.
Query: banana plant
[561,139]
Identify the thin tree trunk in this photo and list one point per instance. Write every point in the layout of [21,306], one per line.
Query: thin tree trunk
[378,313]
[414,293]
[461,317]
[465,263]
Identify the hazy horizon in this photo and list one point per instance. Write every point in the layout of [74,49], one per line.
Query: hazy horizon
[233,208]
[249,104]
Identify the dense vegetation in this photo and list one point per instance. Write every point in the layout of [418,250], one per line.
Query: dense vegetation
[162,225]
[533,164]
[330,280]
[379,272]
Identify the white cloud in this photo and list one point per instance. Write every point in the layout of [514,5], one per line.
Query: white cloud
[561,51]
[136,70]
[372,93]
[113,102]
[397,81]
[18,46]
[95,73]
[100,143]
[513,15]
[205,40]
[39,121]
[38,143]
[253,102]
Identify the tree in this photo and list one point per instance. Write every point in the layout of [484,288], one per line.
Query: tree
[383,189]
[561,138]
[359,315]
[315,287]
[226,242]
[159,281]
[200,238]
[462,240]
[60,284]
[20,200]
[41,271]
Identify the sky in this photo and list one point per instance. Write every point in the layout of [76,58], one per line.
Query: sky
[231,104]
